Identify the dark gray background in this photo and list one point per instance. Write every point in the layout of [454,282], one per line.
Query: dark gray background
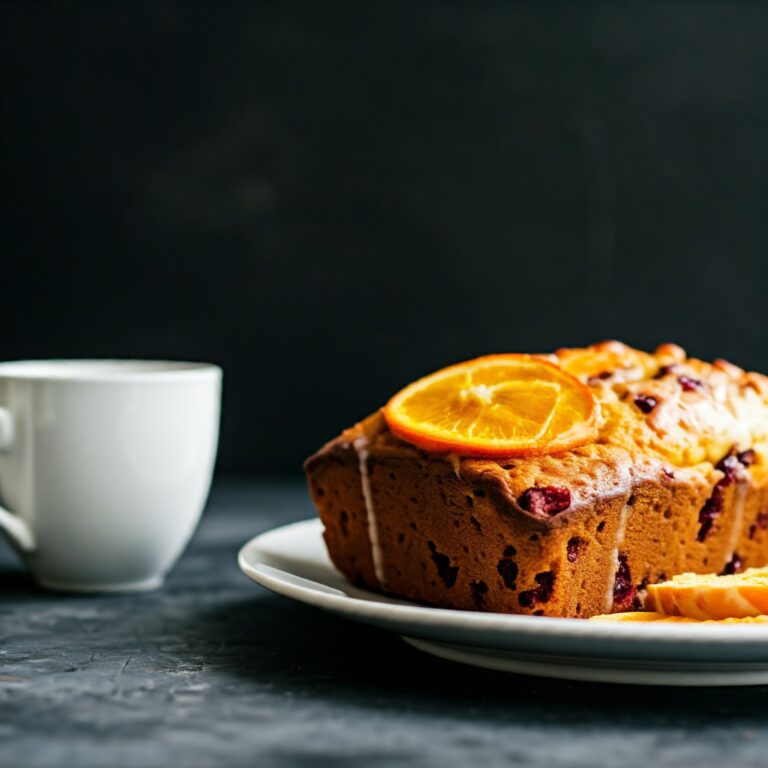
[329,199]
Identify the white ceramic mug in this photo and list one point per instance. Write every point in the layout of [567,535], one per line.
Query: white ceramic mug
[105,466]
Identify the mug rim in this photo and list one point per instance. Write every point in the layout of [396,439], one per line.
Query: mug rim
[85,370]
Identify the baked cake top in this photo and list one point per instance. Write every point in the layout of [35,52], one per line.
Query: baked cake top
[661,416]
[665,405]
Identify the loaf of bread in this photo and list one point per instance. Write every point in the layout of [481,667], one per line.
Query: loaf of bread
[674,482]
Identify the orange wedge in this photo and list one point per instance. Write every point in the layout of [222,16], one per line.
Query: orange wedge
[652,616]
[736,596]
[497,406]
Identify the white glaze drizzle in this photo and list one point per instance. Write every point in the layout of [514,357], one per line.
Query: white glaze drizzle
[455,462]
[620,531]
[360,445]
[739,499]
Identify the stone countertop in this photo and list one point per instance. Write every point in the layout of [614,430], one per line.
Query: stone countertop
[212,670]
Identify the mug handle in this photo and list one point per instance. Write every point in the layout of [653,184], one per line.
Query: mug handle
[14,527]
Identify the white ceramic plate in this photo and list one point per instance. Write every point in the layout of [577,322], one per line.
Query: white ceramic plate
[293,561]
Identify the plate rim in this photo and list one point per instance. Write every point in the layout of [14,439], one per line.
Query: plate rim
[376,609]
[612,671]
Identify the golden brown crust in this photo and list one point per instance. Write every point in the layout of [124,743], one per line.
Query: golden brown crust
[646,498]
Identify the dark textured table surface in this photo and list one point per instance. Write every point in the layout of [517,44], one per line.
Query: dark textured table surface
[212,670]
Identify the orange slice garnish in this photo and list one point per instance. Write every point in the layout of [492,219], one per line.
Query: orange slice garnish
[496,406]
[736,596]
[604,359]
[653,616]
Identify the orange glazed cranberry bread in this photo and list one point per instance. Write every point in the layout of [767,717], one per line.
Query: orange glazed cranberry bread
[674,481]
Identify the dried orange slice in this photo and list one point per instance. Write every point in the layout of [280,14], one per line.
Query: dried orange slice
[496,406]
[736,596]
[652,616]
